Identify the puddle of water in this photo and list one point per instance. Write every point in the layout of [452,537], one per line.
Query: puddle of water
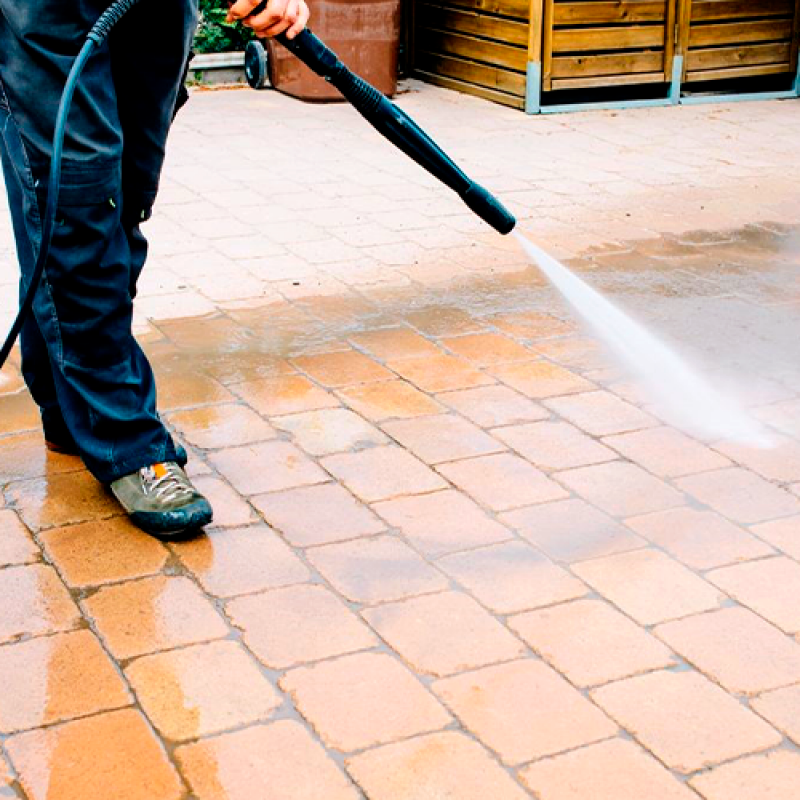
[684,397]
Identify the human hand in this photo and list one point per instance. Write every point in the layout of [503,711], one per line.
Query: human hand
[276,17]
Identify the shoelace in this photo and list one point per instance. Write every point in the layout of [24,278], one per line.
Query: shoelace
[169,487]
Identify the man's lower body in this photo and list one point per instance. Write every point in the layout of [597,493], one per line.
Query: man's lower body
[85,370]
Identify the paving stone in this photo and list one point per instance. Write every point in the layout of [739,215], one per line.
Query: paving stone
[780,462]
[153,614]
[590,642]
[700,539]
[95,553]
[440,634]
[783,533]
[376,570]
[288,468]
[80,760]
[443,320]
[540,379]
[571,530]
[35,603]
[382,473]
[659,708]
[16,544]
[189,693]
[737,649]
[771,587]
[523,710]
[447,764]
[342,369]
[773,775]
[613,770]
[315,515]
[486,349]
[389,400]
[331,430]
[240,561]
[23,456]
[298,624]
[511,577]
[781,708]
[290,394]
[444,437]
[57,678]
[390,344]
[230,508]
[649,586]
[531,325]
[554,445]
[362,700]
[442,522]
[623,490]
[601,413]
[276,760]
[502,482]
[490,406]
[740,495]
[213,427]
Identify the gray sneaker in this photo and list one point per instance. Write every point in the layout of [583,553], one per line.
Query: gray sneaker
[161,500]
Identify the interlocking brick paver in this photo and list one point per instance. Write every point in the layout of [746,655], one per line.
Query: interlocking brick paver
[382,472]
[443,320]
[16,544]
[332,430]
[779,462]
[439,373]
[376,569]
[740,495]
[95,553]
[649,586]
[442,522]
[502,482]
[230,508]
[288,468]
[613,770]
[23,456]
[774,775]
[191,692]
[661,707]
[554,445]
[523,710]
[279,760]
[56,678]
[342,369]
[446,764]
[601,413]
[782,533]
[315,515]
[212,427]
[389,400]
[153,614]
[571,530]
[511,577]
[35,602]
[541,379]
[531,325]
[82,760]
[771,587]
[444,437]
[623,490]
[486,349]
[590,642]
[490,406]
[362,700]
[736,648]
[390,344]
[298,624]
[242,560]
[781,707]
[289,394]
[440,634]
[700,539]
[666,452]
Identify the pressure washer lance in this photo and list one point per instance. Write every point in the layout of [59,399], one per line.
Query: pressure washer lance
[377,109]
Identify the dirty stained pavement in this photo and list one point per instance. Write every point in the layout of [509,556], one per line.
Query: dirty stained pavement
[456,551]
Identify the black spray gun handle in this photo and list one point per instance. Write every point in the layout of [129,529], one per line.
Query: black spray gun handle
[398,127]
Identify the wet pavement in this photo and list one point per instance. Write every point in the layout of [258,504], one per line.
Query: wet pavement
[456,551]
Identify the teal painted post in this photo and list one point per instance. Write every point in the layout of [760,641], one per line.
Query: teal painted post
[533,88]
[677,76]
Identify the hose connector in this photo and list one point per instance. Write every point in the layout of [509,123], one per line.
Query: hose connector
[101,29]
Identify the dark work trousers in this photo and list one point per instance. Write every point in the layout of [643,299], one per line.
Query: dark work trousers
[79,358]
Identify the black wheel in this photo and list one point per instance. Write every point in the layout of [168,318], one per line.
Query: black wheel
[255,64]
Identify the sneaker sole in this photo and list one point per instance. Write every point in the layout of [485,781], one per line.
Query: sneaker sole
[173,525]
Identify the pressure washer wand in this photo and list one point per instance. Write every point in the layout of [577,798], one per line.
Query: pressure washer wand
[398,128]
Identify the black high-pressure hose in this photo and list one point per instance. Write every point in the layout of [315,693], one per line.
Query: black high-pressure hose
[379,111]
[96,37]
